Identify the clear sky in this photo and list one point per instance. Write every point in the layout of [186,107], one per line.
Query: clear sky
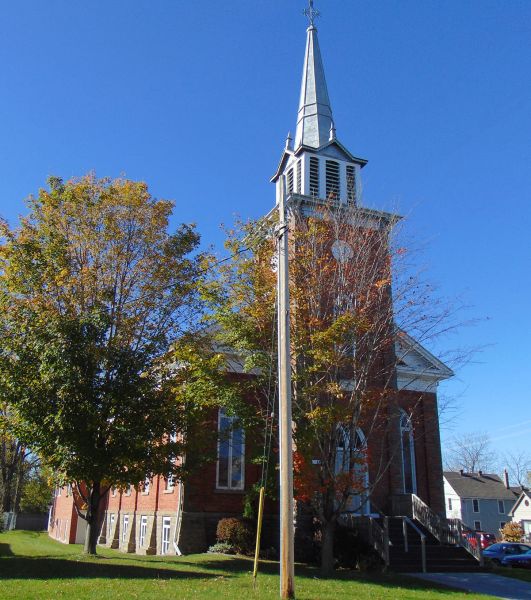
[196,98]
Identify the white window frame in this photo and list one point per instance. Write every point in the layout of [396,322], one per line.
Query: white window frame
[477,523]
[143,531]
[229,485]
[146,487]
[125,527]
[165,543]
[111,522]
[170,483]
[475,502]
[501,504]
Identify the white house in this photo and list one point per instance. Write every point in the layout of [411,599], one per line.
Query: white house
[521,513]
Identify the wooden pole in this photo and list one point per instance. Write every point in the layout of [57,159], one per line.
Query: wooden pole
[258,532]
[287,585]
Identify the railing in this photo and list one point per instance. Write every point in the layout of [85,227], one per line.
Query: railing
[446,531]
[375,535]
[405,522]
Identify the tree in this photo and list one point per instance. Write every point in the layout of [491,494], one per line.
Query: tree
[345,327]
[93,290]
[512,532]
[472,452]
[519,467]
[37,491]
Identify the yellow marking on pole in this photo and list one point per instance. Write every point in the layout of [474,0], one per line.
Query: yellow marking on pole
[258,533]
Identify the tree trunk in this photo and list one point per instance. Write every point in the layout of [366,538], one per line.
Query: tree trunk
[91,537]
[327,548]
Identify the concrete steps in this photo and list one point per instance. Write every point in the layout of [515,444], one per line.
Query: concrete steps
[439,558]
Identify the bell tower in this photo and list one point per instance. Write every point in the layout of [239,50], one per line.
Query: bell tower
[316,165]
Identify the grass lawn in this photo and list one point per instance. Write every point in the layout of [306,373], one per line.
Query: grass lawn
[34,566]
[523,574]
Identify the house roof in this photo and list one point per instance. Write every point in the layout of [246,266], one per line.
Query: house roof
[524,495]
[474,485]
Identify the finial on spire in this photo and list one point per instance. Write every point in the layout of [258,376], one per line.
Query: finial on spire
[311,13]
[289,141]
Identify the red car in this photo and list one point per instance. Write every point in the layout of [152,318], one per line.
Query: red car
[486,539]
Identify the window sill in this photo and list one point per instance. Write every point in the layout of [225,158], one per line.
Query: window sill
[228,491]
[168,491]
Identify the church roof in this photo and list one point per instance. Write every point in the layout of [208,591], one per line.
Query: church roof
[314,120]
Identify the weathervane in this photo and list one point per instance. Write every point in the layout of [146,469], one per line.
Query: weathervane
[311,13]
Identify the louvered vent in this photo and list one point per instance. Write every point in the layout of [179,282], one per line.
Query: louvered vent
[351,185]
[290,181]
[314,176]
[332,179]
[299,177]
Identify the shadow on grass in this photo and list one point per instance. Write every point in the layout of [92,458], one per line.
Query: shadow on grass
[5,550]
[388,580]
[56,568]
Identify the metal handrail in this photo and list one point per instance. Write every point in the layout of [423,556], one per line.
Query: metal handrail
[405,522]
[446,531]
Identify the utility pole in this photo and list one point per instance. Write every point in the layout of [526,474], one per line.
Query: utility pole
[287,584]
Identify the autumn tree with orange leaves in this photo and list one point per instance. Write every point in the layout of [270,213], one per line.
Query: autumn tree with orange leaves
[352,293]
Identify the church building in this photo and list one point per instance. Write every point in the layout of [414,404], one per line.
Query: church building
[168,517]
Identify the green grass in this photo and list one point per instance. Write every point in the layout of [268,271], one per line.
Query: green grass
[34,566]
[522,574]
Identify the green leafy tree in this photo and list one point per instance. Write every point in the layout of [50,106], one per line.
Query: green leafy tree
[37,491]
[93,291]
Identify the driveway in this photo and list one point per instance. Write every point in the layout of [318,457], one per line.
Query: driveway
[482,583]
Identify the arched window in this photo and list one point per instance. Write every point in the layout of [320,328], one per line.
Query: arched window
[358,500]
[407,444]
[231,452]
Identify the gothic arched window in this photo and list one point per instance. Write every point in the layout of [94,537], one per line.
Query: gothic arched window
[358,500]
[407,444]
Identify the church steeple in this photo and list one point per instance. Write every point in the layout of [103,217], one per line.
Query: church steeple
[314,120]
[317,166]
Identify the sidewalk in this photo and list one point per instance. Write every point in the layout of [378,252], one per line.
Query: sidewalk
[482,583]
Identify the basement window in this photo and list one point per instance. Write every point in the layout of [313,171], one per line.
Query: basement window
[231,453]
[125,527]
[314,176]
[332,180]
[143,531]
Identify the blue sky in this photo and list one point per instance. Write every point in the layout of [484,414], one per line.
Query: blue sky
[196,98]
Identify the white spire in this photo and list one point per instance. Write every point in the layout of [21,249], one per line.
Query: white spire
[314,120]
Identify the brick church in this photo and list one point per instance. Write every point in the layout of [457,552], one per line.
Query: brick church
[171,517]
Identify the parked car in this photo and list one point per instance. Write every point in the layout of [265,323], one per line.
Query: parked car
[497,552]
[486,539]
[522,561]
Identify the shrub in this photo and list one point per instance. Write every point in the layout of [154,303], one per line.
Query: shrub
[512,532]
[239,533]
[221,548]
